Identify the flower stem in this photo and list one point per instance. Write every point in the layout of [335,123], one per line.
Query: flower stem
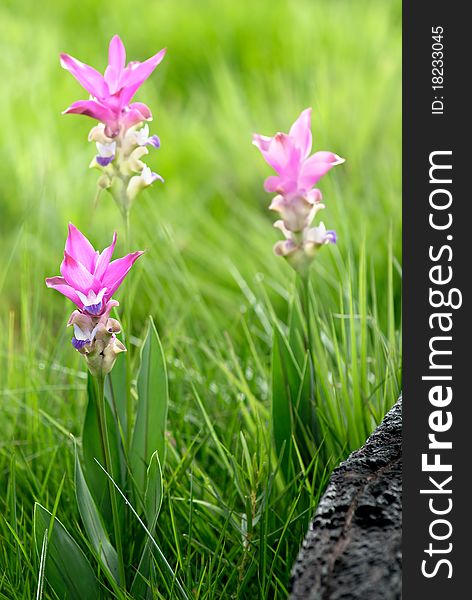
[308,334]
[108,465]
[127,228]
[127,319]
[306,309]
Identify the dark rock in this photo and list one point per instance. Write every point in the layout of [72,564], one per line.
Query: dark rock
[352,550]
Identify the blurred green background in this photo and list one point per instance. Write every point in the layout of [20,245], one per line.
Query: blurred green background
[232,68]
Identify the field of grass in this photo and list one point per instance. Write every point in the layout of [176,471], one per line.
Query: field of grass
[230,526]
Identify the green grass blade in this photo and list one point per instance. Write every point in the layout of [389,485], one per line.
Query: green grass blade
[42,565]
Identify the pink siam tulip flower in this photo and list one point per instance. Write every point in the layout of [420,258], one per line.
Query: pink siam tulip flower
[111,93]
[288,155]
[88,278]
[297,200]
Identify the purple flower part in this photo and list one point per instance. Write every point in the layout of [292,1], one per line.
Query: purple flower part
[154,141]
[92,302]
[90,278]
[94,309]
[103,161]
[156,176]
[112,92]
[79,344]
[331,237]
[288,155]
[149,177]
[284,248]
[142,138]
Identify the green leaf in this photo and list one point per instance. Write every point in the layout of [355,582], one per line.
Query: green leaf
[93,451]
[115,392]
[286,381]
[153,494]
[67,570]
[151,417]
[93,524]
[152,505]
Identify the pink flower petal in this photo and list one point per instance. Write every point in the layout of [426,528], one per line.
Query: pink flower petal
[300,132]
[282,185]
[93,109]
[136,74]
[87,76]
[261,141]
[116,54]
[143,109]
[287,155]
[59,284]
[283,155]
[104,260]
[113,92]
[314,196]
[79,248]
[112,79]
[315,167]
[117,271]
[277,153]
[272,183]
[77,276]
[325,156]
[114,103]
[137,113]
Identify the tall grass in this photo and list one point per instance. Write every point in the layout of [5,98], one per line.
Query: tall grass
[229,525]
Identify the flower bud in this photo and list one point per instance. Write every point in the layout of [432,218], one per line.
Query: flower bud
[133,164]
[102,360]
[104,181]
[299,248]
[97,134]
[124,174]
[110,355]
[139,182]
